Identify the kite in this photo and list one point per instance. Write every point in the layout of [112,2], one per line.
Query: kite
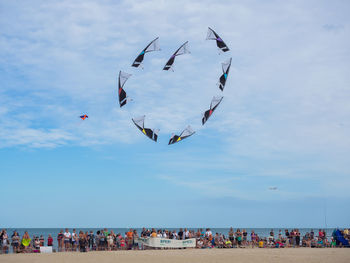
[180,51]
[186,133]
[152,134]
[213,105]
[123,77]
[83,117]
[219,42]
[183,49]
[225,69]
[153,46]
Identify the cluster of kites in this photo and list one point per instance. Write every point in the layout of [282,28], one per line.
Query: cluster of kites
[183,49]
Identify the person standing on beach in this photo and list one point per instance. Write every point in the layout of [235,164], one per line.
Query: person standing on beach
[75,240]
[180,234]
[198,234]
[253,238]
[1,233]
[245,234]
[130,239]
[122,243]
[87,240]
[60,239]
[106,233]
[5,242]
[82,242]
[280,234]
[272,235]
[136,240]
[174,235]
[15,242]
[293,235]
[42,240]
[110,242]
[170,235]
[154,233]
[103,240]
[67,240]
[117,241]
[286,233]
[186,234]
[49,241]
[98,240]
[143,232]
[297,238]
[232,237]
[208,233]
[239,237]
[91,238]
[320,234]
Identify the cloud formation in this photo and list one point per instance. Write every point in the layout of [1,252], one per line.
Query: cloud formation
[286,98]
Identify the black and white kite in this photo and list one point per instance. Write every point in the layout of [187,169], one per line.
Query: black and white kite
[219,42]
[225,70]
[123,77]
[153,46]
[180,51]
[213,105]
[152,134]
[186,133]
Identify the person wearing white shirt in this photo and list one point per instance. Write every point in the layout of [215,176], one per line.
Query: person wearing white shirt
[74,240]
[175,235]
[67,239]
[186,234]
[208,233]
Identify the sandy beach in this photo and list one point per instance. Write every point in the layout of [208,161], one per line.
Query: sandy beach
[307,255]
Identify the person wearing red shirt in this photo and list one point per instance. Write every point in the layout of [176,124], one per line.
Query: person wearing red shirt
[320,234]
[49,241]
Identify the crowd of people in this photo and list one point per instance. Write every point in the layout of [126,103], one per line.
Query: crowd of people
[287,238]
[108,240]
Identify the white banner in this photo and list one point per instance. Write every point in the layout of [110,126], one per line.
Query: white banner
[45,249]
[164,242]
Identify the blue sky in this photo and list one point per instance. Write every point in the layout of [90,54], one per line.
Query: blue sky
[284,119]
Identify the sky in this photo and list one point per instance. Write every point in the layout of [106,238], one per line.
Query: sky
[284,120]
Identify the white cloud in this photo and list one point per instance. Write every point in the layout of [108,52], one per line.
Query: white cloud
[287,93]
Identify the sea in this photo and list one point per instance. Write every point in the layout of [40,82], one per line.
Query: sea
[262,232]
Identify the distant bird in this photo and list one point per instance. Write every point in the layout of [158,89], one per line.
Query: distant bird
[83,117]
[273,188]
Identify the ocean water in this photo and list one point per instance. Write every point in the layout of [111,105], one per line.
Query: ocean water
[262,232]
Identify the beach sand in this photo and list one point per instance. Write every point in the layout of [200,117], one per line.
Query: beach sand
[285,255]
